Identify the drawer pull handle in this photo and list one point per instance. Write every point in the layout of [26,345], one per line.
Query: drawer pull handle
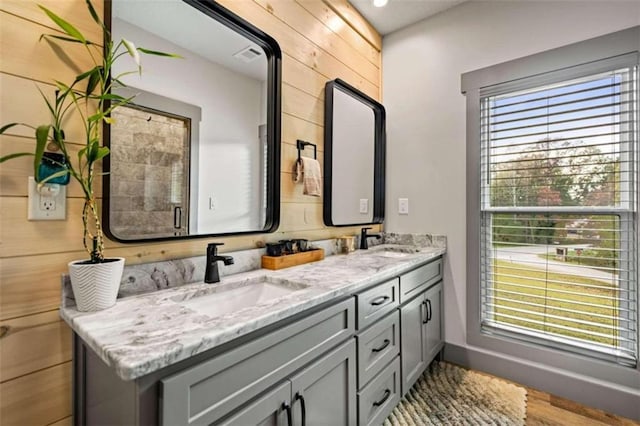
[287,407]
[303,408]
[379,300]
[381,348]
[426,308]
[387,393]
[429,311]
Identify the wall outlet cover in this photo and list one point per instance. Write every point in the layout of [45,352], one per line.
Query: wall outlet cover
[403,205]
[364,205]
[47,204]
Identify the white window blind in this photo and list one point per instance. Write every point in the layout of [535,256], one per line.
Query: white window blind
[559,249]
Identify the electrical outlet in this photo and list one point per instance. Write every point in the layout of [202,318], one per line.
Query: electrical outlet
[364,206]
[46,203]
[403,205]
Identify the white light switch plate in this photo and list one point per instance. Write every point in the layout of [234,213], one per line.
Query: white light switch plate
[403,205]
[42,206]
[364,206]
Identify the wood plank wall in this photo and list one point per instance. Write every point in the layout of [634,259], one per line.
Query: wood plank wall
[320,40]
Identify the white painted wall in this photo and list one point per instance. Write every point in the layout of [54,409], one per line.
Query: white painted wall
[229,159]
[422,65]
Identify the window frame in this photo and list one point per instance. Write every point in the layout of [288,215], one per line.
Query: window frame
[545,67]
[625,212]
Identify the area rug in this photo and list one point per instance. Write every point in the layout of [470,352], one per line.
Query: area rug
[450,395]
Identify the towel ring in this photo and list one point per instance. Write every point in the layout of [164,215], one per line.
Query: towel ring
[300,144]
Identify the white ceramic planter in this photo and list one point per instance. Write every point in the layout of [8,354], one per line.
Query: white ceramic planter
[95,286]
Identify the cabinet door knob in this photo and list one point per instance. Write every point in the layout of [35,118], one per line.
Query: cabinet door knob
[379,300]
[381,348]
[387,393]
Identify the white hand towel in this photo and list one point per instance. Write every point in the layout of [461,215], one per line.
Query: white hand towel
[307,170]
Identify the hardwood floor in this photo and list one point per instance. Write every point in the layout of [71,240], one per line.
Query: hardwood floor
[550,410]
[544,409]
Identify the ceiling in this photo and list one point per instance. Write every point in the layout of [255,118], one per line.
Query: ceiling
[400,13]
[197,33]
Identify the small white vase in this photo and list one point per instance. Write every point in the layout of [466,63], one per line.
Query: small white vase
[95,285]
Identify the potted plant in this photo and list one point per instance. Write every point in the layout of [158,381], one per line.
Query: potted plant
[95,281]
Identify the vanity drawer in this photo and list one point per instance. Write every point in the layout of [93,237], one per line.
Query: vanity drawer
[376,302]
[379,397]
[412,283]
[378,345]
[208,391]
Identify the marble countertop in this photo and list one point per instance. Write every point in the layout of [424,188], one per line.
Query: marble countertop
[144,333]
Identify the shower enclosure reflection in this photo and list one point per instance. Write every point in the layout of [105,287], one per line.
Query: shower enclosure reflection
[151,156]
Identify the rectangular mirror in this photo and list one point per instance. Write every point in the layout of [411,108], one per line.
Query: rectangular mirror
[197,153]
[354,157]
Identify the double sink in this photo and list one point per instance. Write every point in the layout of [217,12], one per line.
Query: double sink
[234,295]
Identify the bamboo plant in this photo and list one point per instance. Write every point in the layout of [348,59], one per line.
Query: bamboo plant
[91,96]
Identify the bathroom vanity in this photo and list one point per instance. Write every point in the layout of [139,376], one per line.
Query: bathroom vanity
[335,342]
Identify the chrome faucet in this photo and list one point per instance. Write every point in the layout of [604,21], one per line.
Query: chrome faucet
[364,245]
[211,274]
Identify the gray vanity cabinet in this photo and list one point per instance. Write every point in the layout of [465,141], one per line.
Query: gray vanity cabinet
[346,362]
[421,333]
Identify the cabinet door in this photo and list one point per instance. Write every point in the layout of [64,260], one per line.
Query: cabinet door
[412,338]
[326,390]
[271,409]
[213,389]
[433,327]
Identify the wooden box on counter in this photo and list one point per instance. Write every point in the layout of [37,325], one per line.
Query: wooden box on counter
[289,260]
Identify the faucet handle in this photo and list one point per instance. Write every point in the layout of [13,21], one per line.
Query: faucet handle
[213,247]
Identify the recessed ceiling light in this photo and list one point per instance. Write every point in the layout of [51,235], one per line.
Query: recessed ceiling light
[380,3]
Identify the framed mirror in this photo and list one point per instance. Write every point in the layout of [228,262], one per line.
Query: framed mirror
[354,157]
[197,153]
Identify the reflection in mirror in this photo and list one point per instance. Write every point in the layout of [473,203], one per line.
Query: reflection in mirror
[354,163]
[197,153]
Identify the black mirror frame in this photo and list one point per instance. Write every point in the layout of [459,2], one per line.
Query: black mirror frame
[274,91]
[379,151]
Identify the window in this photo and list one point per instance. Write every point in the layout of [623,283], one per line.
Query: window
[558,238]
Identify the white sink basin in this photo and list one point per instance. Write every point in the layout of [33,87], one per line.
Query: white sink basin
[230,297]
[392,251]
